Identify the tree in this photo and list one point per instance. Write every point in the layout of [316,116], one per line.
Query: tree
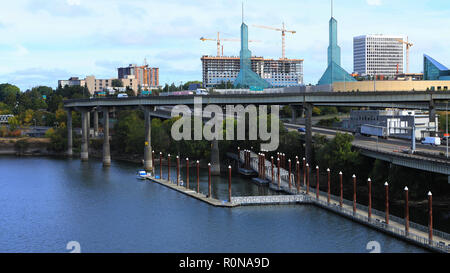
[116,83]
[338,155]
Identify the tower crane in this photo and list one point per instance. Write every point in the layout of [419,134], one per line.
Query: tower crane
[408,46]
[219,40]
[283,36]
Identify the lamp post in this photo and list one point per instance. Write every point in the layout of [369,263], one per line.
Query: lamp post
[386,185]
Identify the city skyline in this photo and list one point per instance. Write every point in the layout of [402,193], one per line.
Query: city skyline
[63,38]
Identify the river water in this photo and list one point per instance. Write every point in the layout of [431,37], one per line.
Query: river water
[47,202]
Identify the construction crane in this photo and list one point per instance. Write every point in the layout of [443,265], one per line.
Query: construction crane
[408,46]
[283,37]
[219,40]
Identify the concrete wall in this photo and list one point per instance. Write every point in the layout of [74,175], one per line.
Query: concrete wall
[391,86]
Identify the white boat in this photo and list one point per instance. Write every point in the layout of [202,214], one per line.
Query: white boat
[142,175]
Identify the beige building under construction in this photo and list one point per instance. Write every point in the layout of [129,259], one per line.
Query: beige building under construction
[278,73]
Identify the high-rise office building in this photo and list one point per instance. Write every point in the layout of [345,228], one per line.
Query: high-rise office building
[378,55]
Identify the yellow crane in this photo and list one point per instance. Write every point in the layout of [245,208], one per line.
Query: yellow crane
[219,40]
[283,37]
[408,46]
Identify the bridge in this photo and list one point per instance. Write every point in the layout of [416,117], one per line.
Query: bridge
[410,100]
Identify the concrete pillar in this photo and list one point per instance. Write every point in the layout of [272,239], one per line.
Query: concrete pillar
[294,113]
[148,158]
[96,123]
[69,133]
[215,158]
[89,125]
[106,146]
[432,116]
[308,134]
[84,136]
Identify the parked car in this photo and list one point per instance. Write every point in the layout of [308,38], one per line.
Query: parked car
[434,141]
[301,130]
[122,95]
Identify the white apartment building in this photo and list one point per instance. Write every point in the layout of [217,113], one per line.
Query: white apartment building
[279,73]
[378,55]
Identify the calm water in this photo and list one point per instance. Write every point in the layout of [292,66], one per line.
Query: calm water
[45,203]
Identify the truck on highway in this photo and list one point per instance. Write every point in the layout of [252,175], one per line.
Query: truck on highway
[373,130]
[434,141]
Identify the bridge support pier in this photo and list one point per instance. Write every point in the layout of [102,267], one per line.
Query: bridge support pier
[95,123]
[69,133]
[432,117]
[308,135]
[84,135]
[106,146]
[148,162]
[215,158]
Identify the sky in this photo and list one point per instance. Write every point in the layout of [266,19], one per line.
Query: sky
[43,41]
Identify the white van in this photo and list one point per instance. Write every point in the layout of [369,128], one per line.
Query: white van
[434,141]
[122,95]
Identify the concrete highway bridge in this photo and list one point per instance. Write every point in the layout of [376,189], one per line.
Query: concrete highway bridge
[431,101]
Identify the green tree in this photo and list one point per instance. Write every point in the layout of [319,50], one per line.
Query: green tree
[338,155]
[116,83]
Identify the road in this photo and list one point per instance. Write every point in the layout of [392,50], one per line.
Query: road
[388,145]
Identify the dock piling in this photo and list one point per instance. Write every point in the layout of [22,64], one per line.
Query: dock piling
[430,219]
[329,190]
[160,165]
[178,171]
[354,194]
[341,199]
[307,178]
[304,172]
[187,173]
[289,174]
[317,182]
[198,176]
[406,211]
[298,176]
[369,213]
[209,180]
[386,186]
[229,184]
[272,168]
[168,167]
[278,173]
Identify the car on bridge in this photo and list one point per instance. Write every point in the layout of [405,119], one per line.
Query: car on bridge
[434,141]
[301,130]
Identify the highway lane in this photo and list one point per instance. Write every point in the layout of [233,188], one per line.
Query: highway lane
[390,144]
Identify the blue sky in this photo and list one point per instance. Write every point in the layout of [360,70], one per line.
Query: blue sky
[46,40]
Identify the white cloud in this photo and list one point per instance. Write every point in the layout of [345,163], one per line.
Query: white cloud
[374,2]
[21,51]
[73,2]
